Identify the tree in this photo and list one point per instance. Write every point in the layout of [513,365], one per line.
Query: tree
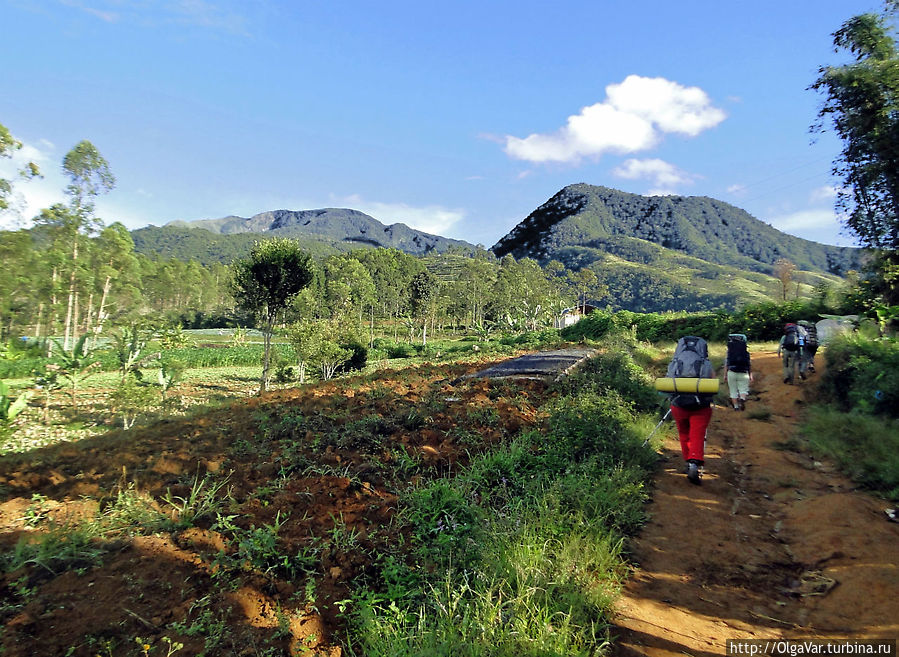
[8,145]
[783,271]
[423,289]
[861,100]
[266,282]
[89,176]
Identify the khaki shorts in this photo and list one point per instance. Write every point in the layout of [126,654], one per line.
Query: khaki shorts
[738,384]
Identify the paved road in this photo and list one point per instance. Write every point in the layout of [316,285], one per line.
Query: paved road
[543,365]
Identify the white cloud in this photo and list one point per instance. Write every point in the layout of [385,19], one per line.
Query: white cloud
[804,220]
[822,226]
[634,117]
[737,189]
[826,193]
[433,219]
[665,176]
[29,197]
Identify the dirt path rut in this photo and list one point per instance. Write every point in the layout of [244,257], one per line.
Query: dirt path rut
[773,544]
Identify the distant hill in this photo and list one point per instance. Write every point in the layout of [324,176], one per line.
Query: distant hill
[582,221]
[322,232]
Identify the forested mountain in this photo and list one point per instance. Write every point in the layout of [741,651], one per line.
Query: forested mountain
[322,232]
[582,222]
[197,244]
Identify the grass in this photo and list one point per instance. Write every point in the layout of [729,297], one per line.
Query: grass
[523,547]
[865,447]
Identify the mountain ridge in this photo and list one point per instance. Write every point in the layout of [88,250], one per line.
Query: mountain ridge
[582,216]
[332,225]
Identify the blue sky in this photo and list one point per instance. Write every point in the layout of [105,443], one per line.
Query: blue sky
[456,118]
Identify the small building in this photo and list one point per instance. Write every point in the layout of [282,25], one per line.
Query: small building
[573,315]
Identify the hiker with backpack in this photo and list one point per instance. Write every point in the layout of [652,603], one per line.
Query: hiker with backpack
[692,409]
[811,344]
[791,347]
[738,366]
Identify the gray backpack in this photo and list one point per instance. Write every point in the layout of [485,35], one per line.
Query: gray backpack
[691,360]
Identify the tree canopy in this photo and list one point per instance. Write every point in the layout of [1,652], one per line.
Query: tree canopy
[861,100]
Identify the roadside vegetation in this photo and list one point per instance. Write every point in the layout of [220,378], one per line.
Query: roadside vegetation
[859,398]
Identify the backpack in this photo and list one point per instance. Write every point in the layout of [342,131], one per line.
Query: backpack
[811,331]
[737,353]
[691,360]
[791,337]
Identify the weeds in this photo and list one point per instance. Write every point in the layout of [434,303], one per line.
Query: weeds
[202,502]
[60,547]
[762,413]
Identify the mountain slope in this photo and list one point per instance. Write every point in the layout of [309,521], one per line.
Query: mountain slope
[333,226]
[608,220]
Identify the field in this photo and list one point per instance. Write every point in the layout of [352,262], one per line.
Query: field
[407,510]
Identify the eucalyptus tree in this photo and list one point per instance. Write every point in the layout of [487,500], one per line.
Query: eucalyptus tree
[20,281]
[391,273]
[349,287]
[423,292]
[521,293]
[266,282]
[89,176]
[474,285]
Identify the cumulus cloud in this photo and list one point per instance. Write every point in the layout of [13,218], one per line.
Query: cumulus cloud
[737,189]
[433,219]
[663,175]
[635,115]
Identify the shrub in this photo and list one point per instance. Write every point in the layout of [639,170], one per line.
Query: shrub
[358,359]
[863,375]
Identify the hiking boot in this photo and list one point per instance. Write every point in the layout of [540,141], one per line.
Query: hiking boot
[802,375]
[693,474]
[788,380]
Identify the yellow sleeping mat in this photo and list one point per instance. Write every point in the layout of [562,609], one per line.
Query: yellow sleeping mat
[704,386]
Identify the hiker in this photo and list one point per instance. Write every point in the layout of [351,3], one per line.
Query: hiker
[811,344]
[692,411]
[791,346]
[738,366]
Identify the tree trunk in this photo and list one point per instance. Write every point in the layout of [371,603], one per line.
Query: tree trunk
[40,315]
[266,350]
[102,308]
[68,328]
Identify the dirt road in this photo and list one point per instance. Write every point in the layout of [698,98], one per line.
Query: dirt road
[773,544]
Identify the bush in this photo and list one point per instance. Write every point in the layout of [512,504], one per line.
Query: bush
[862,375]
[534,339]
[399,350]
[357,360]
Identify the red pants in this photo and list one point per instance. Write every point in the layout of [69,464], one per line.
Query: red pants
[691,428]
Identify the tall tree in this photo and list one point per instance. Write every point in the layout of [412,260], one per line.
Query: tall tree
[861,100]
[89,176]
[423,291]
[266,282]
